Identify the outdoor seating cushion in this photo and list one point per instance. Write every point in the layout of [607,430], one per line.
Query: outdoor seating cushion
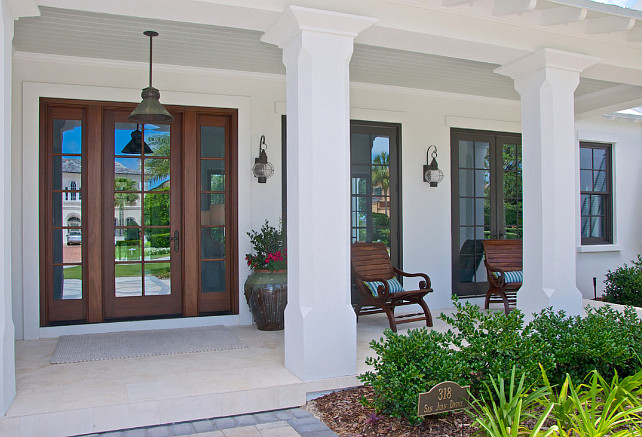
[394,286]
[511,277]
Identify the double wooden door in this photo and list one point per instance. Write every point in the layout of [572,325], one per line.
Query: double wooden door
[138,221]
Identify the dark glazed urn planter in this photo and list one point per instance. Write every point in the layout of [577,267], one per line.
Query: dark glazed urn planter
[267,295]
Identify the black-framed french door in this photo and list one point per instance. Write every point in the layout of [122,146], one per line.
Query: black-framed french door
[375,185]
[486,170]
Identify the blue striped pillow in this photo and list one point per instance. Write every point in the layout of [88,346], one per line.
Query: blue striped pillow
[394,286]
[511,277]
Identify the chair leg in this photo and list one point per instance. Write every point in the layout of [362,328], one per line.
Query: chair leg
[357,310]
[506,304]
[390,312]
[424,306]
[489,293]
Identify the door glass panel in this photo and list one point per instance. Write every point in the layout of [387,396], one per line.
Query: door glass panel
[67,136]
[212,243]
[157,279]
[142,219]
[212,209]
[212,142]
[157,208]
[213,277]
[157,138]
[512,193]
[370,186]
[157,244]
[67,282]
[128,280]
[127,246]
[156,174]
[65,170]
[212,175]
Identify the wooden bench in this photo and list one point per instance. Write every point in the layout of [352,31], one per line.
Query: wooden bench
[371,263]
[502,257]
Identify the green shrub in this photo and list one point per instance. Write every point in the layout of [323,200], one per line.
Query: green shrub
[159,240]
[624,285]
[482,345]
[605,340]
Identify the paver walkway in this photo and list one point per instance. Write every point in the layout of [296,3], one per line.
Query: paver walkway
[293,422]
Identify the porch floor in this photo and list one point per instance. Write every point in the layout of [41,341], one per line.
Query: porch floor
[97,396]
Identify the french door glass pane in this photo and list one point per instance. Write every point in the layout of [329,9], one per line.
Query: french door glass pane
[213,209]
[212,142]
[212,175]
[213,277]
[157,244]
[157,137]
[370,186]
[157,208]
[128,280]
[156,174]
[67,282]
[157,279]
[67,137]
[212,243]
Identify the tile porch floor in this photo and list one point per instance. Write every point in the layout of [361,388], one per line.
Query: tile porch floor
[98,396]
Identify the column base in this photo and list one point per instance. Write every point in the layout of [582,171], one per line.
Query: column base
[534,299]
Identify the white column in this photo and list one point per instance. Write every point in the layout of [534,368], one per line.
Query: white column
[546,81]
[7,342]
[320,325]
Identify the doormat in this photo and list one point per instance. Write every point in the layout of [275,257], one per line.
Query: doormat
[131,344]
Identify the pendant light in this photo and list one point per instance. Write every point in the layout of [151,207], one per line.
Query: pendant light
[150,109]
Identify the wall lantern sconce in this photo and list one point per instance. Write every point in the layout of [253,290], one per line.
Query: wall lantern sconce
[262,169]
[150,109]
[432,174]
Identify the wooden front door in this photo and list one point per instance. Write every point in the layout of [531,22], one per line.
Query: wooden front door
[138,221]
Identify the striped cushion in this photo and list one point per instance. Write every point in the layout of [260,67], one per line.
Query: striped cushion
[511,277]
[393,286]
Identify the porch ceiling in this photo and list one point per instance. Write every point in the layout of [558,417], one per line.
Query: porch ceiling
[115,37]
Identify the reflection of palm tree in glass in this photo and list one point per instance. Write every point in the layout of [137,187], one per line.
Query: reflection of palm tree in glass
[381,175]
[158,168]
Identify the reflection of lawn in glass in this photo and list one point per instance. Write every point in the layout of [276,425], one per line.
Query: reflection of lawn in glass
[126,270]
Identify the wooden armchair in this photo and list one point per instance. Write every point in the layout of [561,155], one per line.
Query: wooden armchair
[503,261]
[371,264]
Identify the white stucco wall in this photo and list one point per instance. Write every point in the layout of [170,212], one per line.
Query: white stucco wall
[426,119]
[595,261]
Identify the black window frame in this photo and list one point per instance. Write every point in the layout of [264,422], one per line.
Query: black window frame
[607,194]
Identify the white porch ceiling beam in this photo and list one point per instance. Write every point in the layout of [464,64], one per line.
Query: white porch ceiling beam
[510,7]
[563,15]
[609,100]
[609,25]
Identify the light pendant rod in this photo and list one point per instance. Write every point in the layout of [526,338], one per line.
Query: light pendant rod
[151,34]
[150,109]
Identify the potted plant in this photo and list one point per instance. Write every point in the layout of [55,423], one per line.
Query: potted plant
[266,287]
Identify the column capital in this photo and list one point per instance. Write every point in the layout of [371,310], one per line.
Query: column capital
[547,58]
[296,19]
[22,8]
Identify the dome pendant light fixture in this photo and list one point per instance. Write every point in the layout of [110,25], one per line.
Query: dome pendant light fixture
[150,109]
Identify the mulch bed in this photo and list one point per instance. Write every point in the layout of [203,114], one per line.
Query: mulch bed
[344,414]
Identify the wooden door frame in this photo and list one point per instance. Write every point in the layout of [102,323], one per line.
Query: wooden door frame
[91,306]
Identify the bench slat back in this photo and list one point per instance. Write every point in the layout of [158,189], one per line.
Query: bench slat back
[504,254]
[371,260]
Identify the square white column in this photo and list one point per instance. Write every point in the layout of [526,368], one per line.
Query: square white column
[320,324]
[546,81]
[7,340]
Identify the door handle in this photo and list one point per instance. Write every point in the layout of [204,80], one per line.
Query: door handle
[176,241]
